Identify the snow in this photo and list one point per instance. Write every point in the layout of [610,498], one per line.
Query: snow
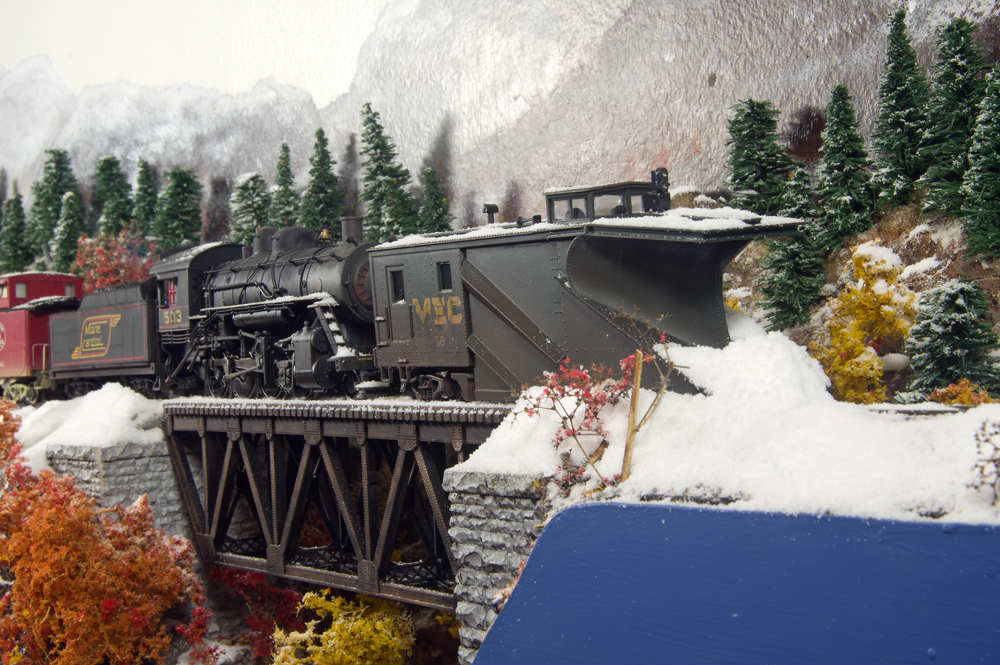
[106,417]
[227,654]
[767,433]
[879,254]
[920,267]
[691,220]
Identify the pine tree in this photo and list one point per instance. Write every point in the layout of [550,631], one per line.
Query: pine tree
[14,253]
[435,213]
[323,201]
[178,210]
[249,205]
[794,266]
[146,196]
[951,340]
[981,185]
[844,186]
[113,193]
[902,119]
[64,241]
[284,209]
[758,164]
[57,179]
[391,209]
[957,91]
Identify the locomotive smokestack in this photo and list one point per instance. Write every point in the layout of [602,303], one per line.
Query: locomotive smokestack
[352,228]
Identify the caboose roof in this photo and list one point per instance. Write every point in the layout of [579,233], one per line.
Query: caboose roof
[33,274]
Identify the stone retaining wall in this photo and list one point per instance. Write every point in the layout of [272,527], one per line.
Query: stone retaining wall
[495,519]
[121,473]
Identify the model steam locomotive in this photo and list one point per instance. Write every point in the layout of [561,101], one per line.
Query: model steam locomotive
[473,314]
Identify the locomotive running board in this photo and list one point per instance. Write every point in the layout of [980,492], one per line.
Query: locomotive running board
[281,458]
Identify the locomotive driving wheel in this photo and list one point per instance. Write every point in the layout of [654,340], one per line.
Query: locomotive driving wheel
[215,378]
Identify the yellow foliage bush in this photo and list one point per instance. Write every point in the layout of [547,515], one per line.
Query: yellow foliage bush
[370,631]
[873,312]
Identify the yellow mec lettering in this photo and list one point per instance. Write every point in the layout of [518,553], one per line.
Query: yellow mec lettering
[422,312]
[438,311]
[455,310]
[445,310]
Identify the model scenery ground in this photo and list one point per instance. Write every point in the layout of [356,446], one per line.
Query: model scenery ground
[765,435]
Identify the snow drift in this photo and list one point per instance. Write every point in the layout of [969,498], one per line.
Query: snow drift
[767,436]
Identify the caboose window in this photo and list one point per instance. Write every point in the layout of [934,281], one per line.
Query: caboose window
[3,290]
[444,276]
[21,290]
[398,292]
[71,290]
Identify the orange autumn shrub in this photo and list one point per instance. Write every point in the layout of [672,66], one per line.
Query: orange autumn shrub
[963,393]
[91,585]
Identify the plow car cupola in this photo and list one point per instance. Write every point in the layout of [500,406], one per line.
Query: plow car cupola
[619,199]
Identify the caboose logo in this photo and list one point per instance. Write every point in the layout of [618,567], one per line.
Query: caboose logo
[95,336]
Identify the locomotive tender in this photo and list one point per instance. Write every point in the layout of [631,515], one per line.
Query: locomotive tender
[472,314]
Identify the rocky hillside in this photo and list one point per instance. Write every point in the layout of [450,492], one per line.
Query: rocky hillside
[933,247]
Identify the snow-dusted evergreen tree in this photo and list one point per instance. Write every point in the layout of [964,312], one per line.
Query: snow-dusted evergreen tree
[68,230]
[323,201]
[178,210]
[794,272]
[146,195]
[284,209]
[951,340]
[957,91]
[391,209]
[901,121]
[844,186]
[113,193]
[14,253]
[759,166]
[249,205]
[435,213]
[57,179]
[981,186]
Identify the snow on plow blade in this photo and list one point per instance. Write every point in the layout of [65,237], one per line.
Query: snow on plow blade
[667,271]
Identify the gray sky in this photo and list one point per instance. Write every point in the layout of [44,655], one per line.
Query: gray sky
[226,44]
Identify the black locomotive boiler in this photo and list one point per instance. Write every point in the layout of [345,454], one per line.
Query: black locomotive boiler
[472,314]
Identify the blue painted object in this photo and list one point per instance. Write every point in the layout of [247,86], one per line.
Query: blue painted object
[650,584]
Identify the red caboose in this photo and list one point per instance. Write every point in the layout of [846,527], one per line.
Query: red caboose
[26,301]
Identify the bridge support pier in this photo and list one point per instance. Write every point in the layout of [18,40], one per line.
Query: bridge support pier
[495,519]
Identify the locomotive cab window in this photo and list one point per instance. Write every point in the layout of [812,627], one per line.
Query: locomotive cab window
[444,276]
[168,293]
[396,282]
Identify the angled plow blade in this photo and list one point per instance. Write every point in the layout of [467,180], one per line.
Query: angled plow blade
[672,284]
